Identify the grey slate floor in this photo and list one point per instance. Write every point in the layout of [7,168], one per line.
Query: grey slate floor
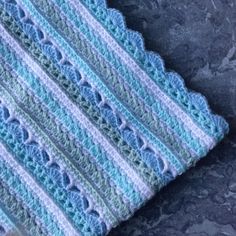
[197,39]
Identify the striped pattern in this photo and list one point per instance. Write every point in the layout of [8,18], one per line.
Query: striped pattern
[91,124]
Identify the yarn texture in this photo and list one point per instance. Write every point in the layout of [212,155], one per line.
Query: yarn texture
[92,126]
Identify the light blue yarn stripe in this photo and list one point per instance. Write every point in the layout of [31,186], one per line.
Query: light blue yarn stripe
[128,77]
[152,139]
[28,198]
[34,84]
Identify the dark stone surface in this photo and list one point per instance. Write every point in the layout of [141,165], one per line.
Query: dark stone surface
[197,39]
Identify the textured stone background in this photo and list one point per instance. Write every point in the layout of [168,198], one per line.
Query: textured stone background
[197,38]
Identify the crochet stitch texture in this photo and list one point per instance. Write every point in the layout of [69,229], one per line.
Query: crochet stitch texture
[91,124]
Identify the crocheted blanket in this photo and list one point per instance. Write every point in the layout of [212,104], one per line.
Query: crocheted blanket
[91,124]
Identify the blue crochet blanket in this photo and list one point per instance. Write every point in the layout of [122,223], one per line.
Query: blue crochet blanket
[91,124]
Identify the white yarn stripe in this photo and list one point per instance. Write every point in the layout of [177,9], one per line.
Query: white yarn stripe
[142,75]
[34,187]
[76,112]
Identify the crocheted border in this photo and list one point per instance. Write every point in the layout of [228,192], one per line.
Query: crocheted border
[150,61]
